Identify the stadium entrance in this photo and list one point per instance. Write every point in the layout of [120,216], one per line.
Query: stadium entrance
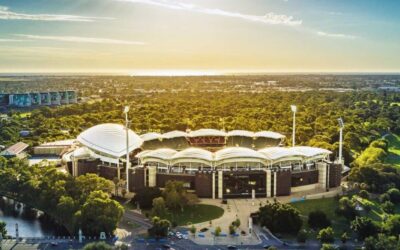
[240,184]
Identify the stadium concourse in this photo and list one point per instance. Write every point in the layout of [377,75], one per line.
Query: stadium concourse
[212,163]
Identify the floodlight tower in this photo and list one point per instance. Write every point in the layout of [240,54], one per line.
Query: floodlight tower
[294,110]
[341,126]
[126,111]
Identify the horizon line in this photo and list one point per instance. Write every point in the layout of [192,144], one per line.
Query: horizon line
[177,73]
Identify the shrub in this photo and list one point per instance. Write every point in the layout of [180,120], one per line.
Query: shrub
[280,218]
[388,207]
[145,196]
[217,231]
[364,194]
[318,219]
[326,235]
[394,195]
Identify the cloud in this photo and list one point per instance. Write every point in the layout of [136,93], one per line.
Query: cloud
[335,35]
[5,40]
[77,39]
[269,18]
[7,14]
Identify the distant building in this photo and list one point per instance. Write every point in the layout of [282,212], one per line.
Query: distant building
[16,150]
[389,88]
[56,148]
[22,100]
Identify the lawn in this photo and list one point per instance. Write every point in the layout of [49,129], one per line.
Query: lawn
[394,150]
[328,206]
[195,214]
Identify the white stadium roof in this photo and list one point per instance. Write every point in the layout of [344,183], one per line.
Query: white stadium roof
[269,155]
[275,153]
[174,134]
[151,136]
[110,139]
[238,152]
[162,153]
[206,132]
[269,134]
[211,132]
[311,151]
[243,133]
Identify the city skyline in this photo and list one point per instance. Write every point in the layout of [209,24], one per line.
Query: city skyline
[166,37]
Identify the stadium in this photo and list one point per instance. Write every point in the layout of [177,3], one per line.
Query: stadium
[212,163]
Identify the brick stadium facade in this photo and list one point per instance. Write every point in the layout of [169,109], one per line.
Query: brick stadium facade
[206,184]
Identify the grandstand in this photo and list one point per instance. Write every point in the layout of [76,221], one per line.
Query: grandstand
[213,163]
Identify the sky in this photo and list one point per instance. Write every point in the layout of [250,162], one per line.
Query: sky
[199,36]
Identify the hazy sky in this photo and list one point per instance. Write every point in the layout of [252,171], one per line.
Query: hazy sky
[199,36]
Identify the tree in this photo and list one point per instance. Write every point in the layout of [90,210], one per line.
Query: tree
[364,194]
[66,209]
[344,237]
[145,196]
[392,225]
[217,231]
[91,182]
[176,196]
[97,246]
[328,247]
[381,242]
[99,214]
[193,229]
[160,227]
[280,218]
[346,208]
[388,207]
[318,219]
[364,227]
[3,229]
[394,195]
[232,229]
[159,208]
[326,235]
[236,223]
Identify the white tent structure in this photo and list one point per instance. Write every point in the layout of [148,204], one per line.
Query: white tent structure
[266,157]
[109,139]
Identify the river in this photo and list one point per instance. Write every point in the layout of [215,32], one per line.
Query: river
[31,222]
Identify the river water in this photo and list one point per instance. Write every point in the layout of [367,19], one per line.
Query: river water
[31,222]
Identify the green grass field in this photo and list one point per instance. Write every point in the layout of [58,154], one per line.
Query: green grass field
[327,205]
[195,214]
[394,150]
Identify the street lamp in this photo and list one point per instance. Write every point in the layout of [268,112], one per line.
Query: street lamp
[294,110]
[341,126]
[126,111]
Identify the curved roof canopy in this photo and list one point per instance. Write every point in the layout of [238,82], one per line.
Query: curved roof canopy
[311,151]
[243,133]
[206,132]
[174,134]
[110,139]
[162,153]
[269,134]
[151,136]
[233,154]
[193,155]
[276,153]
[238,152]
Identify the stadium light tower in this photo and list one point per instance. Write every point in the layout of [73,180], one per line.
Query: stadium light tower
[126,111]
[294,110]
[341,126]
